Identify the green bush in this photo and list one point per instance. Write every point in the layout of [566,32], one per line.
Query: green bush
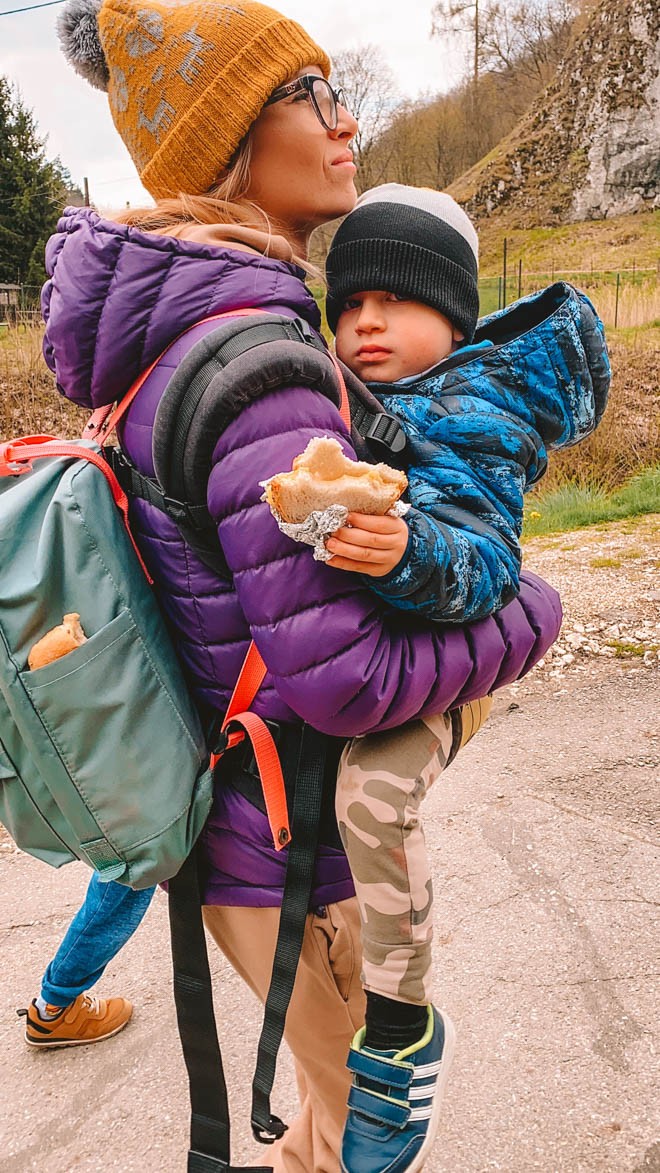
[572,506]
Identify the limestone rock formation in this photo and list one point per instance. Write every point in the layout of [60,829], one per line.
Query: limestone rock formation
[590,146]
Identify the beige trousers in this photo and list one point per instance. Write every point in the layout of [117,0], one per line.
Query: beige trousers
[326,1009]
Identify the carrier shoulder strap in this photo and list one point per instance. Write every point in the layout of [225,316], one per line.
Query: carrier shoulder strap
[245,354]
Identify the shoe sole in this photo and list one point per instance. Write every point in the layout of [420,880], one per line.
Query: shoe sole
[51,1046]
[438,1097]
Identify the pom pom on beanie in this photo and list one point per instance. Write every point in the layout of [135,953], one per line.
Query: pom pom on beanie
[78,31]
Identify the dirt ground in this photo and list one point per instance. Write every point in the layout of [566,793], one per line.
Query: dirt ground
[544,847]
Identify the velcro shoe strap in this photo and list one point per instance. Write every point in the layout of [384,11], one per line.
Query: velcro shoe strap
[387,1071]
[379,1108]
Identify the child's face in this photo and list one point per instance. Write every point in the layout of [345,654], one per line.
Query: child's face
[383,337]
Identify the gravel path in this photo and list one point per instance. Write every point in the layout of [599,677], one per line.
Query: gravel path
[543,838]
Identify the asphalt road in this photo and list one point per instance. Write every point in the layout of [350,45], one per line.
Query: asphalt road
[546,878]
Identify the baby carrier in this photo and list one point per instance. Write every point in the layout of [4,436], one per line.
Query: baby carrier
[102,753]
[237,360]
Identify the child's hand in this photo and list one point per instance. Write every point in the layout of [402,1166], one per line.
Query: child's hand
[368,545]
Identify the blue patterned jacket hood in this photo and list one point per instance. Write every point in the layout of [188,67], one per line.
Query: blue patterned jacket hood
[479,427]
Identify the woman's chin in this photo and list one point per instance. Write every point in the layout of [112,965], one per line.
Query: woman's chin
[345,201]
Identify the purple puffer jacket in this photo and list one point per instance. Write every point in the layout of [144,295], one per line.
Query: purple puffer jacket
[337,657]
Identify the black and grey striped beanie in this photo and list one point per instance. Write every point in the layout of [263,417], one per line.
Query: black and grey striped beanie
[412,241]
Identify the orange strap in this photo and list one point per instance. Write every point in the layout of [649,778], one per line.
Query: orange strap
[344,406]
[250,679]
[16,457]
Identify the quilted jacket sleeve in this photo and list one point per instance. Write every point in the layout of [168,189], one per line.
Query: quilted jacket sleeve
[448,574]
[467,485]
[336,655]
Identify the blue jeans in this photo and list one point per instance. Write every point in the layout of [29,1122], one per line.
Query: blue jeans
[109,916]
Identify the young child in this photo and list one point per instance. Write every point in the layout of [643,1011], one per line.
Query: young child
[403,302]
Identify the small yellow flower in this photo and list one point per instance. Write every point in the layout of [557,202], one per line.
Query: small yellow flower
[534,515]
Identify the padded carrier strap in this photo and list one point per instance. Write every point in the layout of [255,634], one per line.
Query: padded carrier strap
[220,374]
[235,362]
[209,1123]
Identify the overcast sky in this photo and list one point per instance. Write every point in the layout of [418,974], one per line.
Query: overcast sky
[76,119]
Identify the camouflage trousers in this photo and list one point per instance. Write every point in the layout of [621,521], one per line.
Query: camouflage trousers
[380,786]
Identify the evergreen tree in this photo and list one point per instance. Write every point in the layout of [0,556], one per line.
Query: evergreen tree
[33,191]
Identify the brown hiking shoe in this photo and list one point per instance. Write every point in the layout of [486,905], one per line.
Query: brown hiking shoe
[87,1020]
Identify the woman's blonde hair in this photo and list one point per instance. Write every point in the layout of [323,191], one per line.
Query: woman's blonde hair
[224,203]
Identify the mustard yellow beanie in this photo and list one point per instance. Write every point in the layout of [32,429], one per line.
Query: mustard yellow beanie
[185,81]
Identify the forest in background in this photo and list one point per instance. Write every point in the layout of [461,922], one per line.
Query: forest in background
[33,191]
[511,50]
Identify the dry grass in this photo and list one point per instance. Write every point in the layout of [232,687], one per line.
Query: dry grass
[627,440]
[639,304]
[29,401]
[636,305]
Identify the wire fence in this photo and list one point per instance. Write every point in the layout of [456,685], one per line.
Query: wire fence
[622,297]
[22,309]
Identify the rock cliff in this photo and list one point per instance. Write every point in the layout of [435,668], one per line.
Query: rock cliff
[590,145]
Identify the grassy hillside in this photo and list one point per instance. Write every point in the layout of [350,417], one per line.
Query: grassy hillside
[614,244]
[595,255]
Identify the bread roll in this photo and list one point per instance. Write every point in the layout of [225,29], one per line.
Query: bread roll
[322,476]
[57,642]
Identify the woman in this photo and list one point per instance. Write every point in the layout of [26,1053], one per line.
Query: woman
[235,132]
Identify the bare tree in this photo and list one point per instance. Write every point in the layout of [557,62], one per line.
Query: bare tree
[530,34]
[460,19]
[372,96]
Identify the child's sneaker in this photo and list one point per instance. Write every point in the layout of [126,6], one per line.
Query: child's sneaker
[87,1020]
[394,1103]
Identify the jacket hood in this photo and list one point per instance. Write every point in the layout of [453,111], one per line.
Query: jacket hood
[116,297]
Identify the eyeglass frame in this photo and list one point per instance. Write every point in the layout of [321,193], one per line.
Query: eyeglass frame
[307,83]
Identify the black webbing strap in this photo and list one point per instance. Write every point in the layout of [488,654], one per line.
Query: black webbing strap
[382,431]
[209,1125]
[135,484]
[308,790]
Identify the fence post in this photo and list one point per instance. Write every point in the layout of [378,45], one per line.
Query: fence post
[504,274]
[616,301]
[519,279]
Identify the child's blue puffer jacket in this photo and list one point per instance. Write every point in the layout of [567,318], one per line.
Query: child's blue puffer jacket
[479,426]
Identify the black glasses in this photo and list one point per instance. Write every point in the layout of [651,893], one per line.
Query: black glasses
[321,94]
